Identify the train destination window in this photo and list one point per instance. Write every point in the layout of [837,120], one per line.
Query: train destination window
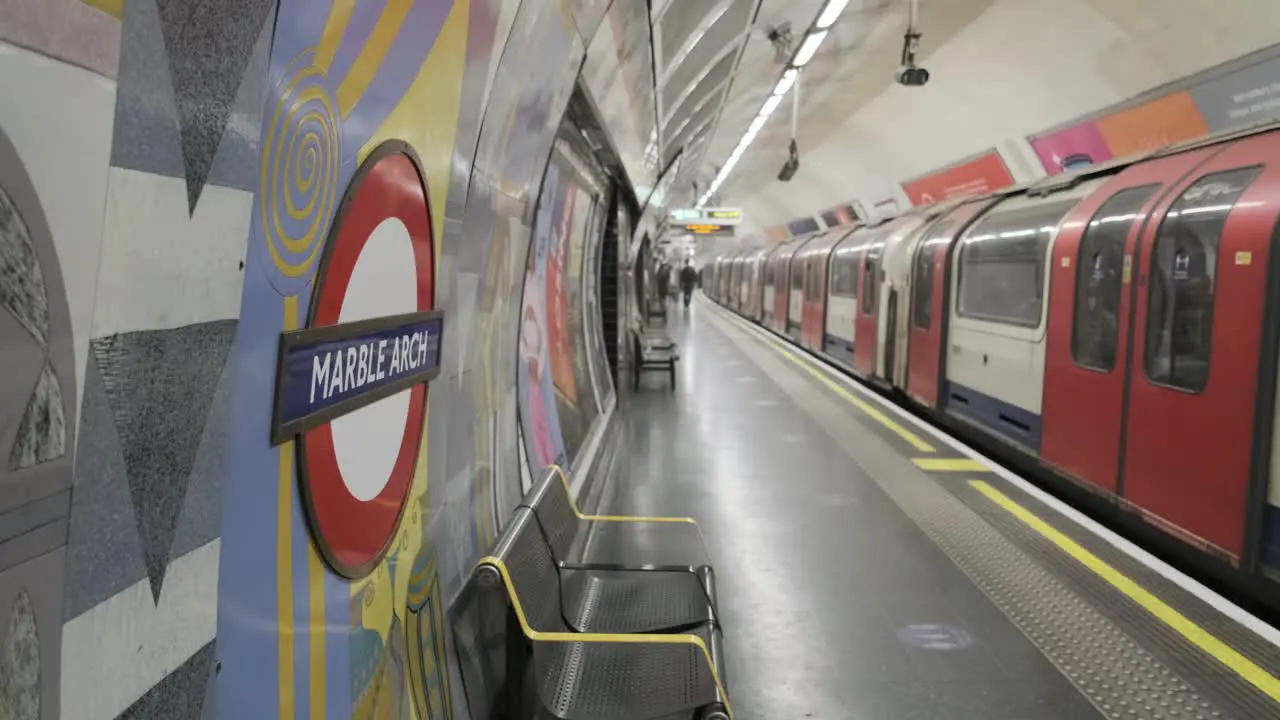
[1099,277]
[1183,279]
[1002,263]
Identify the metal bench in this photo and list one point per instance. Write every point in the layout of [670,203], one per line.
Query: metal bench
[521,659]
[645,592]
[653,350]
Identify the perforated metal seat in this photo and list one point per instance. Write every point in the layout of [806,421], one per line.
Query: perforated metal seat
[636,596]
[596,675]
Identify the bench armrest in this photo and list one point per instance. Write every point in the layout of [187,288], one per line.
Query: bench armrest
[641,643]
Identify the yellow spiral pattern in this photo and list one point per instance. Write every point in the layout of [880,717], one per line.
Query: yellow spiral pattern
[298,184]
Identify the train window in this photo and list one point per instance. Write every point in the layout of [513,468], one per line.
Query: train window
[1183,274]
[844,275]
[1099,276]
[1002,263]
[922,286]
[797,275]
[768,274]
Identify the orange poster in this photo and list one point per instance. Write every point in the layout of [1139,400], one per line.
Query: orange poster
[1154,124]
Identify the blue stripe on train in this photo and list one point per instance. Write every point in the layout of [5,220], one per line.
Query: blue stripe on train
[1019,425]
[1271,537]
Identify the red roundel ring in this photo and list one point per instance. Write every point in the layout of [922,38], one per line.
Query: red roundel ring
[353,534]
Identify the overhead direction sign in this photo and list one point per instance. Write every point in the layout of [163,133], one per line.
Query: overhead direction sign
[717,216]
[708,229]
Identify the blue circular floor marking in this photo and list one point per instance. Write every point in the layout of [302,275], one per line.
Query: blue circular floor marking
[935,637]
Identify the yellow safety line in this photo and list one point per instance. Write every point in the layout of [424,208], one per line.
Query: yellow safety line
[1242,666]
[639,638]
[950,464]
[874,413]
[366,64]
[284,554]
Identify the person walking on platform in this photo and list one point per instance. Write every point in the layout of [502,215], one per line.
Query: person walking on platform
[688,281]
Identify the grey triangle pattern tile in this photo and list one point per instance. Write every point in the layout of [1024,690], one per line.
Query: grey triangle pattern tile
[20,663]
[42,433]
[201,517]
[104,552]
[160,386]
[22,288]
[209,43]
[145,135]
[180,695]
[235,165]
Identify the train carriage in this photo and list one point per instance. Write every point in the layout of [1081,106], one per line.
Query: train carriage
[1115,326]
[814,262]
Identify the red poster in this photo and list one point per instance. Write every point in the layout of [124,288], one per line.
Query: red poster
[975,177]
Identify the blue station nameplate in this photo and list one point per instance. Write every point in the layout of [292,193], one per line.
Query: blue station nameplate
[326,372]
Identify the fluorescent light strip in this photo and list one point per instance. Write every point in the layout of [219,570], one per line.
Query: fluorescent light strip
[785,82]
[810,46]
[830,14]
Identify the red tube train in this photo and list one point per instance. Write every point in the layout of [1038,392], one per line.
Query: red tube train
[1112,329]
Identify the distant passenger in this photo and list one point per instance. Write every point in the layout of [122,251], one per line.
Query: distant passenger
[688,281]
[664,282]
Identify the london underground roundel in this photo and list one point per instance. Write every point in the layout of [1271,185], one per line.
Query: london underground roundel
[352,384]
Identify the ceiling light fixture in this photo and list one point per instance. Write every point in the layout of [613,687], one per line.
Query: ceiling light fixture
[807,50]
[813,40]
[830,14]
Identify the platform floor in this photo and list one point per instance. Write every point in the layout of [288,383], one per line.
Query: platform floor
[867,570]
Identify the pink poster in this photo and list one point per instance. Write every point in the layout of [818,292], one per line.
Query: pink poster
[1072,148]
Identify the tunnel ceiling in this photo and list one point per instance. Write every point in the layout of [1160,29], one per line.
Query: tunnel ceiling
[716,65]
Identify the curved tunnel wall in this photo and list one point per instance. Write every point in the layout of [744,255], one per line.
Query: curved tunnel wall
[181,184]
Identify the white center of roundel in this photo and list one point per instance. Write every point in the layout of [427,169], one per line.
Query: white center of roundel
[384,282]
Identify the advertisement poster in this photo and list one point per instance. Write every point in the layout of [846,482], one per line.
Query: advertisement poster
[585,235]
[1072,148]
[1151,125]
[1244,97]
[541,424]
[975,177]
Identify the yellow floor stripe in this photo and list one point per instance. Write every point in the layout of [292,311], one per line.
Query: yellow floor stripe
[366,64]
[950,464]
[873,412]
[1242,666]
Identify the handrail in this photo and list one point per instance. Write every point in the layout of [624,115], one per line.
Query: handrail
[567,637]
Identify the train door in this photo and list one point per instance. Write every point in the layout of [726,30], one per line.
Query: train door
[782,290]
[928,302]
[766,304]
[1198,329]
[1090,314]
[866,348]
[845,263]
[795,297]
[811,323]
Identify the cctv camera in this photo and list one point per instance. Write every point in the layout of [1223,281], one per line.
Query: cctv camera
[911,76]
